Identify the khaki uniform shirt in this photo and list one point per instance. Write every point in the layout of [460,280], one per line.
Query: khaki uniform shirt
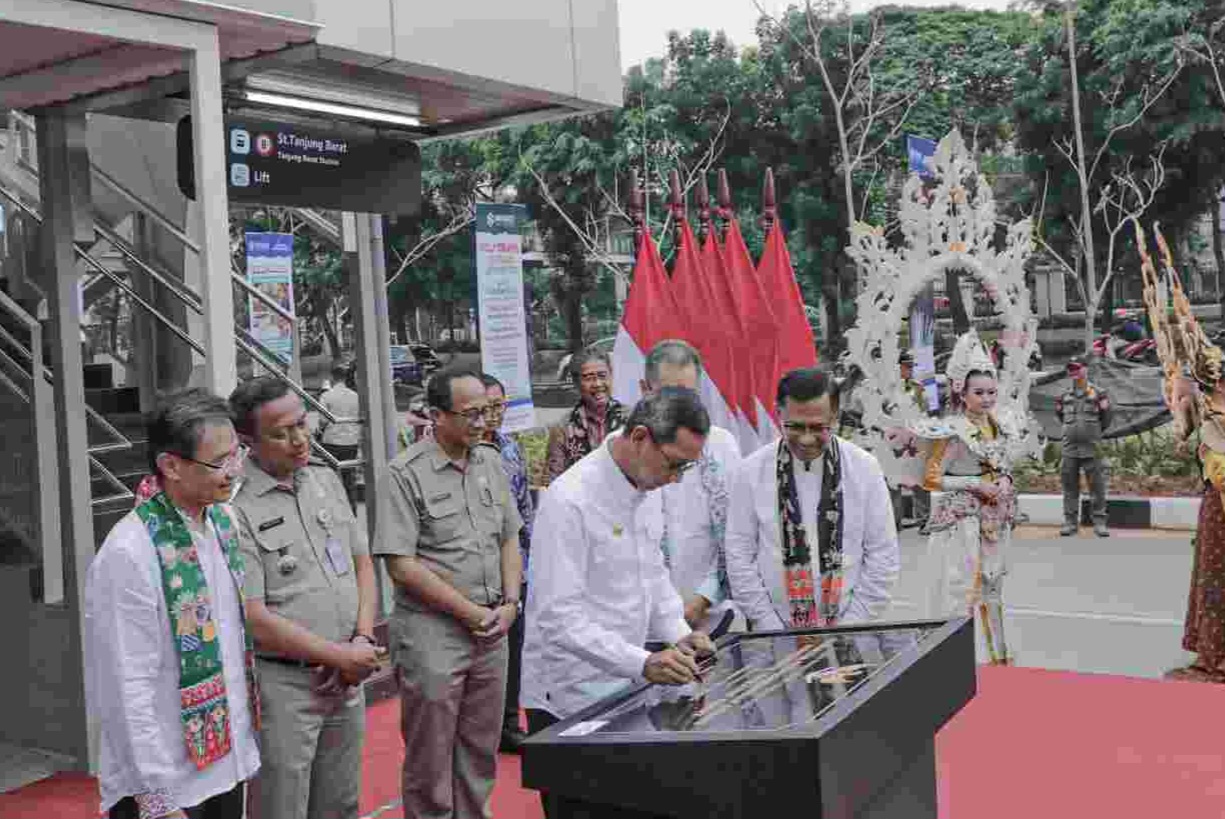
[299,546]
[1084,420]
[454,521]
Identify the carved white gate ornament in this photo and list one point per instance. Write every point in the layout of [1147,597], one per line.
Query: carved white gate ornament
[950,225]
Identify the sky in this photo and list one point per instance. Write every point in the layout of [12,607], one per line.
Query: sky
[645,23]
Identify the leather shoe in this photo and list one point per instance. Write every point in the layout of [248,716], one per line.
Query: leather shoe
[512,741]
[1067,530]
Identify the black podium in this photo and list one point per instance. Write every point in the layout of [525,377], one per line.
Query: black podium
[833,723]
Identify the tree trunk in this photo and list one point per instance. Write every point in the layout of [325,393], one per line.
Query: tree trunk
[833,321]
[329,332]
[1218,253]
[573,309]
[957,305]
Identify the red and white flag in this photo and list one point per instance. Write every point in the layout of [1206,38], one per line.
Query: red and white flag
[761,329]
[696,300]
[727,321]
[650,316]
[796,345]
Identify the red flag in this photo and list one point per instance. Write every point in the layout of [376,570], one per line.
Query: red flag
[650,315]
[760,322]
[796,345]
[730,325]
[695,298]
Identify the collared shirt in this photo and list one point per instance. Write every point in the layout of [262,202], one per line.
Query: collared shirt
[515,467]
[597,588]
[1084,419]
[452,518]
[132,672]
[580,434]
[692,534]
[345,404]
[285,532]
[754,550]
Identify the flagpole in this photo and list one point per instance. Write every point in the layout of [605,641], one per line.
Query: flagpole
[637,215]
[724,211]
[705,225]
[769,210]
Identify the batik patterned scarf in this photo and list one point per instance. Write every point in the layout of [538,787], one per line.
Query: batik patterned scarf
[203,707]
[714,482]
[806,610]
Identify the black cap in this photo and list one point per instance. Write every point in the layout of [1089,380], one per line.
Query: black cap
[905,357]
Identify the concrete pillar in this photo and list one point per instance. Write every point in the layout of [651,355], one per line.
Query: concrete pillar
[221,367]
[63,161]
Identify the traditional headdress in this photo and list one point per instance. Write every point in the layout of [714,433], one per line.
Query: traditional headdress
[1182,345]
[968,356]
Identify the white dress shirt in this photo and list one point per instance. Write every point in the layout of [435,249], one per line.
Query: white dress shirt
[597,587]
[132,672]
[686,504]
[754,550]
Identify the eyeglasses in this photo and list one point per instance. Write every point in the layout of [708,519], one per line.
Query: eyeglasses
[231,463]
[675,466]
[496,408]
[593,378]
[473,415]
[285,433]
[801,428]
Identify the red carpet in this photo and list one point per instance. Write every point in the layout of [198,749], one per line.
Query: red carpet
[1033,743]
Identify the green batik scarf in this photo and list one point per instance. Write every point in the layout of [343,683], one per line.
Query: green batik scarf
[204,710]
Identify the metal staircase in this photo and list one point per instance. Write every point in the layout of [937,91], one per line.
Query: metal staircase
[111,263]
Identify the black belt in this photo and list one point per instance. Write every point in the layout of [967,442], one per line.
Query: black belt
[285,661]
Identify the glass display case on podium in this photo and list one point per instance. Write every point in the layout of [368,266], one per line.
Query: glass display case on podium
[817,723]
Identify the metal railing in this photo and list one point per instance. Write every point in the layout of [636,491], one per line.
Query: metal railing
[181,291]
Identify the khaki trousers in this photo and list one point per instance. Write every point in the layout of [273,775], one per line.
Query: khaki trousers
[452,692]
[310,748]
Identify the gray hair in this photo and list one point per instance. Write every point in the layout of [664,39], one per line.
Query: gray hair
[673,352]
[176,424]
[666,412]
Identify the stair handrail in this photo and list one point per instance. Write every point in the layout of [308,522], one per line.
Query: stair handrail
[187,294]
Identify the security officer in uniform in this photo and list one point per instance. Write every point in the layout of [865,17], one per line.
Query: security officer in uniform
[449,530]
[1084,411]
[310,592]
[913,388]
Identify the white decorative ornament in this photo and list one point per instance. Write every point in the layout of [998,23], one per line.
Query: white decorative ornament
[949,226]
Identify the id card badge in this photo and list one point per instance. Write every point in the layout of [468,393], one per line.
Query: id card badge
[338,556]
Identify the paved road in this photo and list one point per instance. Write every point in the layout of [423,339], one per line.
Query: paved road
[1111,606]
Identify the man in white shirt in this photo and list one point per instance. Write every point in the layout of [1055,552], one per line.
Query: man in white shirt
[170,683]
[811,539]
[695,506]
[598,586]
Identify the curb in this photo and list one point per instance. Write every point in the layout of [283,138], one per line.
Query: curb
[1121,512]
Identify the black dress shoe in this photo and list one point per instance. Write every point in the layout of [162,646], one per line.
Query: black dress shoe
[512,741]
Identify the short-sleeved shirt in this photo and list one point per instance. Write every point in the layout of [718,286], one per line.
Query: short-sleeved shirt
[285,536]
[452,519]
[1083,419]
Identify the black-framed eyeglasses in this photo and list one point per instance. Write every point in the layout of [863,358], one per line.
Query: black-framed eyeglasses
[473,414]
[676,466]
[231,463]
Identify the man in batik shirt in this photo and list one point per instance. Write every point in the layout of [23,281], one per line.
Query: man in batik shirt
[515,467]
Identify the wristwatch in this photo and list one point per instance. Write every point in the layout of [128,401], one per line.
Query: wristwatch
[516,602]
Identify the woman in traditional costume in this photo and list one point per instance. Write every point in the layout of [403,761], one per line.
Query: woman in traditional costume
[970,526]
[1195,392]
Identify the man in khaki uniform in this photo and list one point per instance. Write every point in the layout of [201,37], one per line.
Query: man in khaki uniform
[310,605]
[450,532]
